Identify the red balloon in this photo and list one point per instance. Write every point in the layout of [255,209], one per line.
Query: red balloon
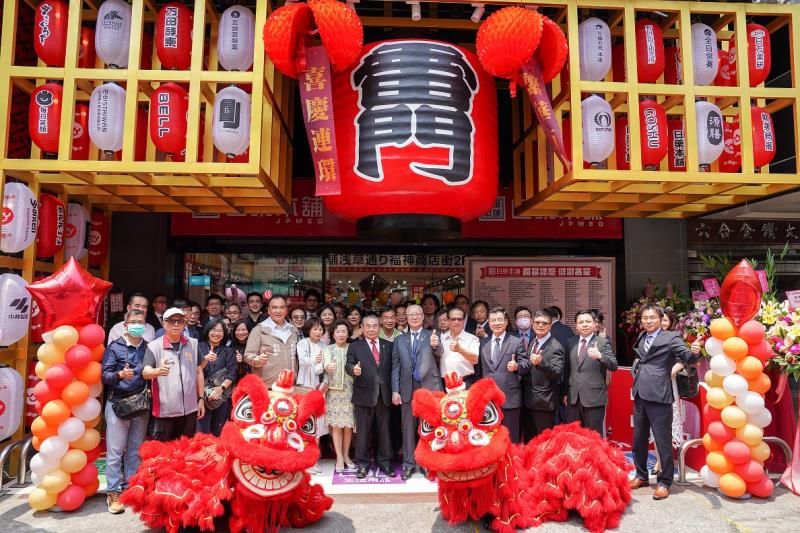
[86,475]
[87,55]
[623,143]
[174,46]
[618,62]
[740,295]
[763,137]
[71,296]
[720,432]
[731,158]
[81,144]
[759,53]
[752,332]
[653,137]
[91,336]
[58,376]
[44,392]
[676,149]
[737,451]
[71,498]
[78,356]
[50,32]
[50,233]
[763,351]
[650,61]
[750,471]
[168,107]
[762,488]
[44,116]
[711,414]
[98,240]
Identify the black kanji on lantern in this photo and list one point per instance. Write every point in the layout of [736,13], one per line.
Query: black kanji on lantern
[415,91]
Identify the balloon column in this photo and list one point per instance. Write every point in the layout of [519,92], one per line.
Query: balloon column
[64,433]
[735,413]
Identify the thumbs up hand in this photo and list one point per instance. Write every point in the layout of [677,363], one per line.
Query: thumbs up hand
[512,365]
[434,340]
[357,369]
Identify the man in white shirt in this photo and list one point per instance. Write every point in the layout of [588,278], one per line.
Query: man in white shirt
[137,301]
[457,349]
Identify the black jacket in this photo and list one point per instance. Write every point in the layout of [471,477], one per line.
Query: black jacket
[653,379]
[509,382]
[540,382]
[587,381]
[375,379]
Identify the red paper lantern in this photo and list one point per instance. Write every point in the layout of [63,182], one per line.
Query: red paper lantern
[174,36]
[81,144]
[50,32]
[87,56]
[740,294]
[618,63]
[677,145]
[44,116]
[654,138]
[98,239]
[446,167]
[672,66]
[649,51]
[50,233]
[168,107]
[759,53]
[731,158]
[763,137]
[623,143]
[724,72]
[146,58]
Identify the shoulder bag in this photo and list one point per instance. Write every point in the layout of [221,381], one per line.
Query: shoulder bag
[132,405]
[688,382]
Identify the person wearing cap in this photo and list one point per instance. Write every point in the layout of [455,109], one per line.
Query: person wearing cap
[170,362]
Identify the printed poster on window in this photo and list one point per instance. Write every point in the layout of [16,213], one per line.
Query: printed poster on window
[571,283]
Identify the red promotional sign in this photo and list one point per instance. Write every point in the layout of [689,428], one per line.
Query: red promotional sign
[619,410]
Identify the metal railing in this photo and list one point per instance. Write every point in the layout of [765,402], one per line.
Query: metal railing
[25,445]
[686,446]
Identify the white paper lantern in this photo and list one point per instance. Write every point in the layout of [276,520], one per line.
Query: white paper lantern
[76,243]
[597,129]
[750,402]
[594,40]
[761,419]
[112,36]
[15,306]
[734,384]
[12,396]
[237,36]
[709,132]
[231,128]
[107,117]
[20,218]
[704,54]
[722,365]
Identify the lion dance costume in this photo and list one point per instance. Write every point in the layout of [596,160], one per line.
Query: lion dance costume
[479,471]
[258,466]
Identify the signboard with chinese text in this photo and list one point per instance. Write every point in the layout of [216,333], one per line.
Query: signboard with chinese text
[571,283]
[395,263]
[711,286]
[704,231]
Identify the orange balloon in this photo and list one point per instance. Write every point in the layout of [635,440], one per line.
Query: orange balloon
[760,452]
[761,384]
[735,348]
[75,393]
[90,374]
[750,367]
[97,352]
[712,379]
[732,485]
[92,423]
[40,428]
[55,412]
[722,328]
[41,369]
[91,489]
[710,444]
[36,442]
[718,463]
[89,440]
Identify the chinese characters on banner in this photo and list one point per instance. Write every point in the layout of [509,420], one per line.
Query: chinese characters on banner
[317,102]
[537,92]
[743,231]
[395,262]
[570,283]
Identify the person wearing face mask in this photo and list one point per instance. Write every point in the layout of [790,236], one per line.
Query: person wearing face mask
[522,323]
[123,361]
[138,301]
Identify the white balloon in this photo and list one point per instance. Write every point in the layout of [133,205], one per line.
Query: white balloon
[34,478]
[722,365]
[735,384]
[88,410]
[709,477]
[713,346]
[40,464]
[71,429]
[761,419]
[95,390]
[53,448]
[750,402]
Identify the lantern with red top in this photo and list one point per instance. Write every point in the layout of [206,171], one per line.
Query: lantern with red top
[731,158]
[654,137]
[173,39]
[44,117]
[763,137]
[81,144]
[50,32]
[87,56]
[650,60]
[168,107]
[676,153]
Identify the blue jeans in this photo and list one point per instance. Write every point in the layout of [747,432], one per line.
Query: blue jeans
[123,438]
[213,421]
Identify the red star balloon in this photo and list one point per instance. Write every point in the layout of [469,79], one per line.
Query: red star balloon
[740,294]
[71,296]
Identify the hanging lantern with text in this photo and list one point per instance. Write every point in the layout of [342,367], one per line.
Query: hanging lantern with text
[50,32]
[173,38]
[654,137]
[763,137]
[44,116]
[113,33]
[723,78]
[231,126]
[76,232]
[623,143]
[87,56]
[649,51]
[597,130]
[19,218]
[672,66]
[16,311]
[731,158]
[50,233]
[705,60]
[236,38]
[594,43]
[81,144]
[709,133]
[168,107]
[107,117]
[98,239]
[759,53]
[676,155]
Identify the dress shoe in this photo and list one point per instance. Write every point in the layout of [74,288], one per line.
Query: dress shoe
[388,471]
[638,482]
[661,493]
[423,471]
[361,473]
[407,473]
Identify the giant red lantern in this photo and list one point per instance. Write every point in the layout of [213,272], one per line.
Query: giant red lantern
[173,38]
[98,239]
[731,158]
[654,138]
[50,32]
[763,137]
[445,165]
[44,116]
[81,144]
[50,233]
[623,144]
[676,160]
[168,107]
[87,56]
[649,51]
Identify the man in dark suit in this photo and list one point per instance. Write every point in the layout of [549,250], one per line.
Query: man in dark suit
[479,325]
[559,330]
[414,366]
[502,358]
[369,361]
[589,358]
[540,378]
[656,352]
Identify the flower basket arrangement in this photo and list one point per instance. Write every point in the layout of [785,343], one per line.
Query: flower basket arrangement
[784,336]
[667,297]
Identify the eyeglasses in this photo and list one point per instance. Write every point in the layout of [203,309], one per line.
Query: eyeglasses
[540,323]
[174,321]
[457,319]
[414,314]
[497,321]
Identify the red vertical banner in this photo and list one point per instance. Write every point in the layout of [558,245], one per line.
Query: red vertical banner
[317,102]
